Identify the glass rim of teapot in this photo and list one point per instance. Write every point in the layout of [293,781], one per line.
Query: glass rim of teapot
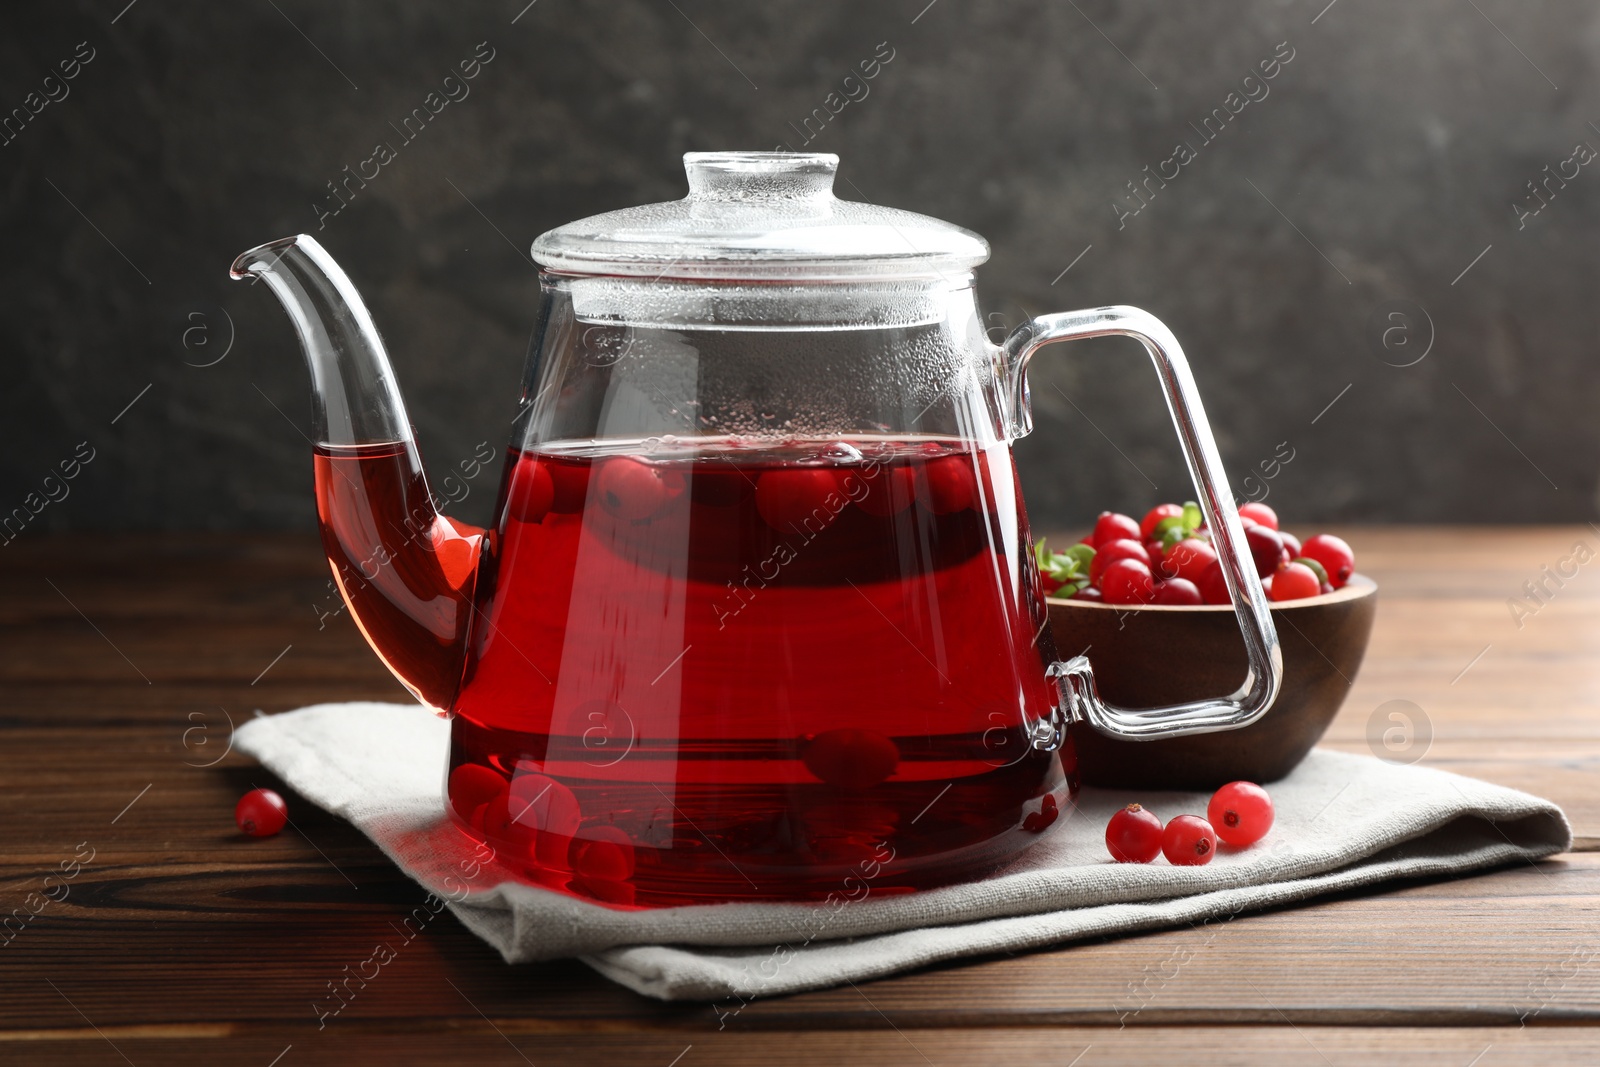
[752,216]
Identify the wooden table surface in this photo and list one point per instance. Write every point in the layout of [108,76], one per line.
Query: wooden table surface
[181,941]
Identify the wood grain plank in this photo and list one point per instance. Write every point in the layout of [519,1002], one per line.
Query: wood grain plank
[477,1041]
[1482,951]
[178,914]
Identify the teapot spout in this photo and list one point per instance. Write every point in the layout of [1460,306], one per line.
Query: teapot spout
[354,396]
[405,571]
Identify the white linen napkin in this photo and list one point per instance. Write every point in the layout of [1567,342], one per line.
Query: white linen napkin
[1342,821]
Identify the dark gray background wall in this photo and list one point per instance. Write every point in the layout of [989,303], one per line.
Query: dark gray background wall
[1376,178]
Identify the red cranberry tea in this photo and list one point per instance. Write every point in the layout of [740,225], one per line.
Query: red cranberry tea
[722,671]
[408,592]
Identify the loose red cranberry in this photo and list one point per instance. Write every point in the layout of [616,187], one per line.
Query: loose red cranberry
[1089,592]
[891,492]
[1190,558]
[603,853]
[1114,526]
[1241,813]
[1188,841]
[472,785]
[787,497]
[947,485]
[1294,581]
[1133,835]
[1334,555]
[1260,514]
[533,490]
[1291,544]
[1127,581]
[1147,527]
[1111,551]
[850,758]
[1158,560]
[1179,592]
[261,813]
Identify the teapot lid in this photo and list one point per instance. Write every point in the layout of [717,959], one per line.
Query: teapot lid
[761,215]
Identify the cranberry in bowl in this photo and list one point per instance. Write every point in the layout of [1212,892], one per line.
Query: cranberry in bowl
[1153,617]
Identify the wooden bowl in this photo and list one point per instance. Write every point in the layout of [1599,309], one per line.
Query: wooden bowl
[1149,656]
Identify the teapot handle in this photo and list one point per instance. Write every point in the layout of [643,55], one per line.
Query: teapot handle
[1074,676]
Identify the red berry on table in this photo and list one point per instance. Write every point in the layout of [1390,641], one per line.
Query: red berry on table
[1179,592]
[1266,549]
[1112,551]
[1127,581]
[947,485]
[629,488]
[1213,589]
[1133,835]
[1291,544]
[532,490]
[1334,555]
[1190,558]
[1260,514]
[890,493]
[1188,841]
[1295,581]
[786,497]
[1147,527]
[1112,526]
[261,813]
[1088,592]
[1240,813]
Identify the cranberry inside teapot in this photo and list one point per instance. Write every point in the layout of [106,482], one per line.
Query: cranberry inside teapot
[838,678]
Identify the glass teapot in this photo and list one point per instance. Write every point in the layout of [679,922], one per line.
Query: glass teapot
[756,617]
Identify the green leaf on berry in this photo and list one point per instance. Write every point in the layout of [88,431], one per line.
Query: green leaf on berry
[1083,554]
[1166,525]
[1066,567]
[1193,518]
